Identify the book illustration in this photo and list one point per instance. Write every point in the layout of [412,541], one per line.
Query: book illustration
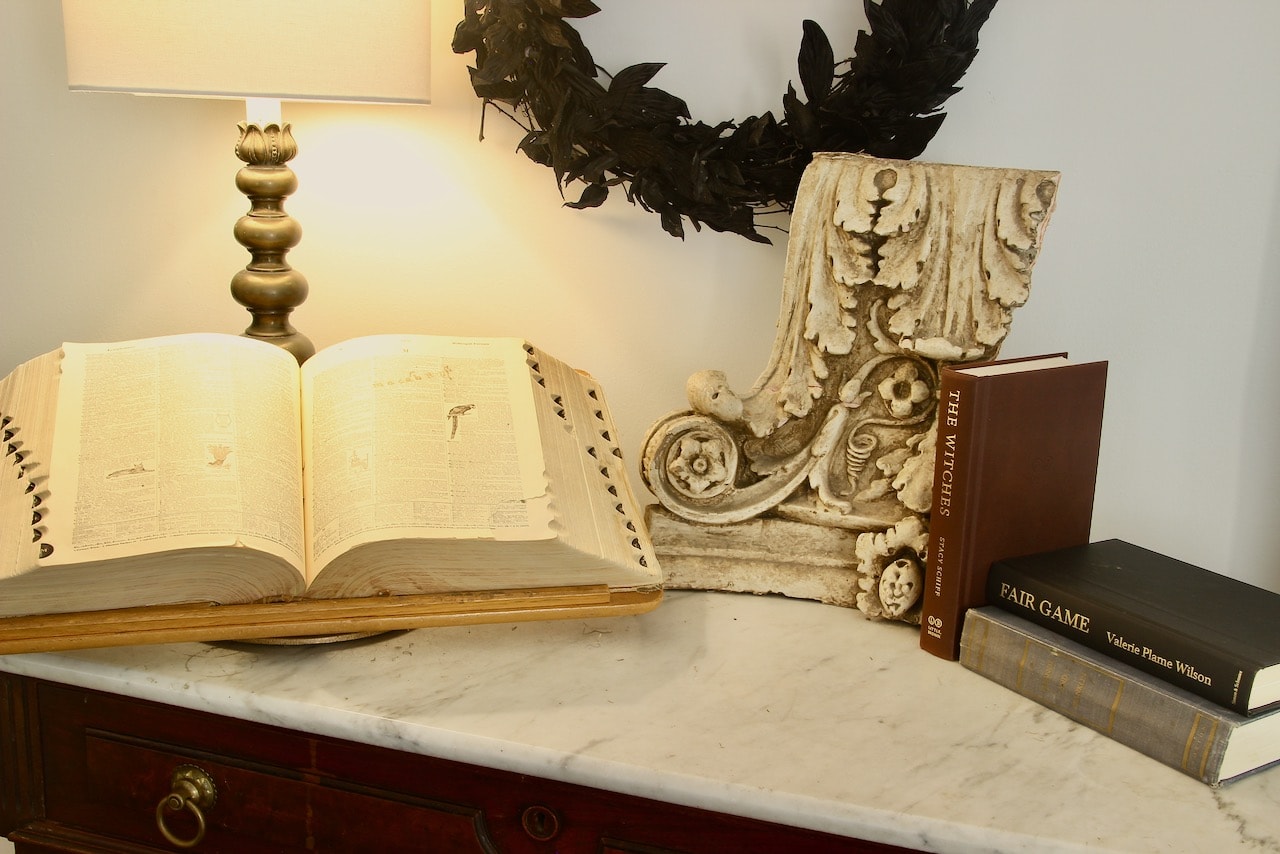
[454,414]
[135,469]
[412,376]
[220,446]
[219,456]
[477,471]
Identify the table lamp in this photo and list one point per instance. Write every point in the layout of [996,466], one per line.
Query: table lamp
[265,51]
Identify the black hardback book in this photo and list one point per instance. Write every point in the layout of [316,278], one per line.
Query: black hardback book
[1207,633]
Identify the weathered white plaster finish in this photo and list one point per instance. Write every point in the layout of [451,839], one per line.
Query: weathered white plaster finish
[894,269]
[777,708]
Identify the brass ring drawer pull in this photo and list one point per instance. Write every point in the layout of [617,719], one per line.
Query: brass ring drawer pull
[192,790]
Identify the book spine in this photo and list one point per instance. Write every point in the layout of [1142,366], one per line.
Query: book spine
[1119,630]
[1118,702]
[941,609]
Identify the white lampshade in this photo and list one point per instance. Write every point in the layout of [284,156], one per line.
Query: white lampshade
[316,50]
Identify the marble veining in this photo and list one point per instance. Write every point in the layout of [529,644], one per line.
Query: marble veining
[785,710]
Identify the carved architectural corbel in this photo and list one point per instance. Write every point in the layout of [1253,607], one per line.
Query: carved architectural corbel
[894,269]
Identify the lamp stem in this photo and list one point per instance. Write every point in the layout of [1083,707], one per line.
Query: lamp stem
[268,287]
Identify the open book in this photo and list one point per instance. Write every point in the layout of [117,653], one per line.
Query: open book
[211,468]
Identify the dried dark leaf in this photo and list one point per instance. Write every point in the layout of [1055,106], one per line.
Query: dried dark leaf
[468,35]
[509,91]
[886,19]
[638,147]
[817,62]
[570,8]
[597,166]
[803,122]
[592,197]
[552,32]
[654,193]
[655,107]
[671,224]
[911,138]
[974,17]
[535,148]
[581,56]
[633,77]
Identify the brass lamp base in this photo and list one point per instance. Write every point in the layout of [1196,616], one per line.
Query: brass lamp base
[268,287]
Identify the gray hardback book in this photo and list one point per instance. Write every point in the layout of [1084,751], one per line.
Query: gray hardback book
[1206,741]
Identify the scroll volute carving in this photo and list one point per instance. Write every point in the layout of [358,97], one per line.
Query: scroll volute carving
[894,268]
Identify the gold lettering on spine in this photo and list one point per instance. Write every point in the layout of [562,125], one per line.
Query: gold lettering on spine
[1195,754]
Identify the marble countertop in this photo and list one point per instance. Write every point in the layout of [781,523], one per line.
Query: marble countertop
[784,710]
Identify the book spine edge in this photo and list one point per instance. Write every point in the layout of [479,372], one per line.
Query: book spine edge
[1145,645]
[32,475]
[1156,724]
[941,613]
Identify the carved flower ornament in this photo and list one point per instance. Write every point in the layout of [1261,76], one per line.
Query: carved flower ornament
[617,131]
[904,390]
[700,467]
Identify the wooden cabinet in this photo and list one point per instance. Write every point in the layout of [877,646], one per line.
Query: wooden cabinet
[86,771]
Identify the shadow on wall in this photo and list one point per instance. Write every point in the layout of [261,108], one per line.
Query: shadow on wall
[1255,538]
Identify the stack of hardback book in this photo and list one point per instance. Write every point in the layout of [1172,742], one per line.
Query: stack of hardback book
[1170,659]
[1175,661]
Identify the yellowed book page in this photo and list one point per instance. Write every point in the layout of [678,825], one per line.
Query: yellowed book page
[177,442]
[410,436]
[592,492]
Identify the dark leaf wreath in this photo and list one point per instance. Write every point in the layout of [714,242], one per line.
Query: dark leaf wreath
[886,100]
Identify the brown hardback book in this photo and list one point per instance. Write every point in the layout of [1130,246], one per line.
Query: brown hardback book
[207,487]
[1014,473]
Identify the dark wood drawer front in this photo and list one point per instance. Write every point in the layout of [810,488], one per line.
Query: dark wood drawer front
[123,784]
[107,762]
[103,774]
